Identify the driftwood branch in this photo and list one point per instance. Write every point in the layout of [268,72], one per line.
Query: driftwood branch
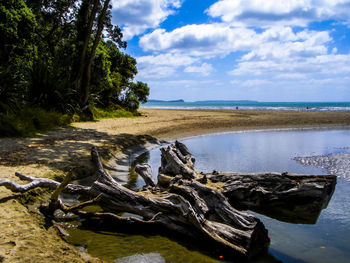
[42,182]
[145,171]
[59,189]
[34,183]
[119,219]
[78,206]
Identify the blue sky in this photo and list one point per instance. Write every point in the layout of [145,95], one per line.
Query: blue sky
[265,50]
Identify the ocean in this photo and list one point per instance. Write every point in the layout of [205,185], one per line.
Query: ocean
[250,105]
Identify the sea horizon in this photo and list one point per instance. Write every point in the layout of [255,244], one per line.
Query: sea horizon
[247,105]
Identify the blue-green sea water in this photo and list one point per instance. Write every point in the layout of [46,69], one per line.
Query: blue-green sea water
[251,105]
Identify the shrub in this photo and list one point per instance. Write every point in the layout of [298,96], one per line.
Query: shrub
[30,121]
[112,113]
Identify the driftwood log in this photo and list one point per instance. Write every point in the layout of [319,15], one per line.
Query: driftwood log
[190,203]
[287,197]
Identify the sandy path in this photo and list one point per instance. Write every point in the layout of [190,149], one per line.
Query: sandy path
[23,237]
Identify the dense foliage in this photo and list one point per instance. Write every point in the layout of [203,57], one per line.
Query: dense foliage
[29,121]
[64,56]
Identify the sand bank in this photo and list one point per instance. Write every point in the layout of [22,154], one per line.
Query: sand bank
[23,237]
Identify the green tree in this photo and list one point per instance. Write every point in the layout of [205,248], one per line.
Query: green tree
[115,87]
[53,55]
[17,24]
[49,85]
[140,90]
[136,93]
[93,17]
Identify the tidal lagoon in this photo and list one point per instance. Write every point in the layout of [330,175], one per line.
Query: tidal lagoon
[249,151]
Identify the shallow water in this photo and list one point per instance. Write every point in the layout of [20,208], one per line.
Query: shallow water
[260,151]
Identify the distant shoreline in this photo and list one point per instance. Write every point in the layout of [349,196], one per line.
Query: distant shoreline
[247,105]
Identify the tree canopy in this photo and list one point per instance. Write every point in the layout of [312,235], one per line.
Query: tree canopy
[64,55]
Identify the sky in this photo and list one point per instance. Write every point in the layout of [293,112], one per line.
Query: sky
[265,50]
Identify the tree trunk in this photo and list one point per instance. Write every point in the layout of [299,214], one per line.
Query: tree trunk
[86,77]
[85,22]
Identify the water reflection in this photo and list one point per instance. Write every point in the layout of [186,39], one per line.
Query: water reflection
[264,151]
[134,181]
[119,243]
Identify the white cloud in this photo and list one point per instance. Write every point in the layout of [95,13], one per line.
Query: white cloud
[205,69]
[163,65]
[168,59]
[287,12]
[155,72]
[283,44]
[183,83]
[322,66]
[200,40]
[136,16]
[210,40]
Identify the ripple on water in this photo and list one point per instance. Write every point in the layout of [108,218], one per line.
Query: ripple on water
[335,163]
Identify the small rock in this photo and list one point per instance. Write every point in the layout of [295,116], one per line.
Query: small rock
[203,180]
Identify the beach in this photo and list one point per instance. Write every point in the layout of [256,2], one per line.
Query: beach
[23,237]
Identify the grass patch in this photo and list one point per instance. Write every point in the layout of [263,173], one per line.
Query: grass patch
[30,121]
[114,113]
[98,114]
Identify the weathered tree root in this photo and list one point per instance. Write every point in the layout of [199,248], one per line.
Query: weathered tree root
[183,201]
[287,197]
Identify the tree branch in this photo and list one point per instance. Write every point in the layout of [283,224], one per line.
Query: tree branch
[119,219]
[81,205]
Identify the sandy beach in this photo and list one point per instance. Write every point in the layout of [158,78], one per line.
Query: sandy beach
[23,236]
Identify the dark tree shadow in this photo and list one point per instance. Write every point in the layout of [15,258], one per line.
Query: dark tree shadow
[69,149]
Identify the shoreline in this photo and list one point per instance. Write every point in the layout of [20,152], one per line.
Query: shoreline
[123,168]
[267,129]
[51,155]
[245,109]
[248,105]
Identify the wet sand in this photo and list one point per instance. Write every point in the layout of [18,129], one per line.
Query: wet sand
[23,237]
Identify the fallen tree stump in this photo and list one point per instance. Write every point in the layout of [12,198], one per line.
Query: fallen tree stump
[287,197]
[184,201]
